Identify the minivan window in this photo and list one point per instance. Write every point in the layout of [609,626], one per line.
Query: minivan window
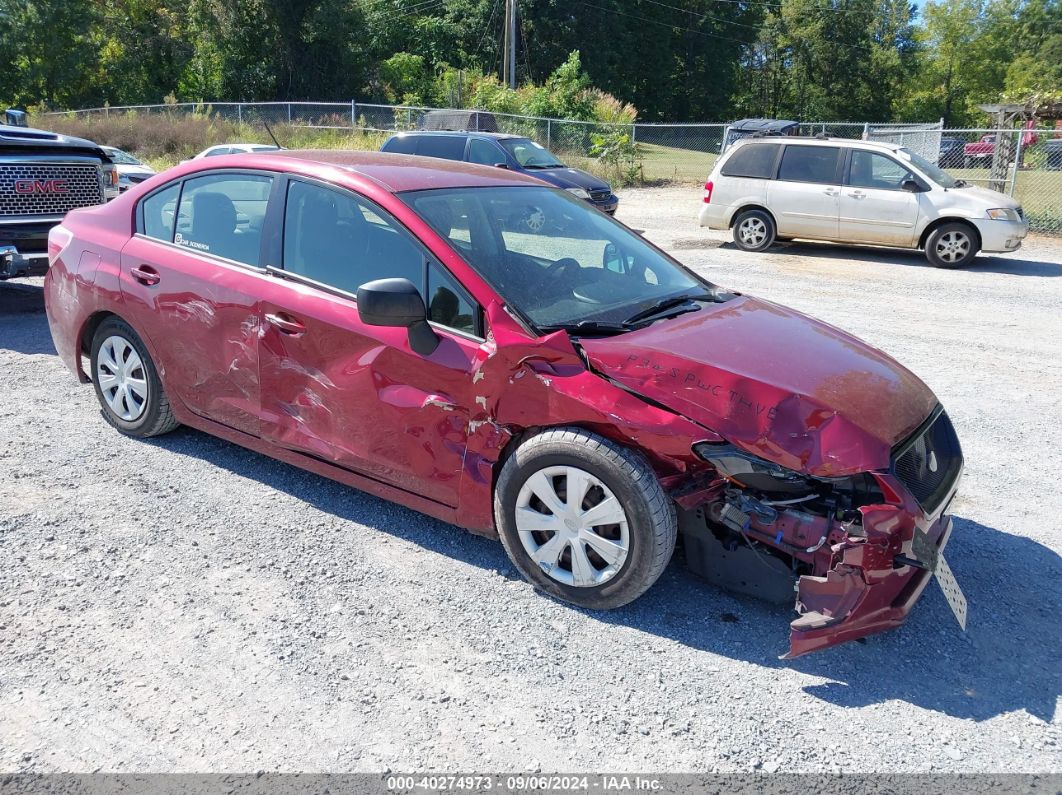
[448,147]
[402,145]
[875,170]
[931,170]
[223,214]
[752,160]
[484,152]
[530,154]
[809,164]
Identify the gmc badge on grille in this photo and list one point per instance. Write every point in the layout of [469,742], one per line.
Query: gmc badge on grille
[42,186]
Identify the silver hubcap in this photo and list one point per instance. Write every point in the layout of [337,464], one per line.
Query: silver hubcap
[752,231]
[572,526]
[122,379]
[953,246]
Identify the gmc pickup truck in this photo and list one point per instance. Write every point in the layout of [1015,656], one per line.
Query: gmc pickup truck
[42,176]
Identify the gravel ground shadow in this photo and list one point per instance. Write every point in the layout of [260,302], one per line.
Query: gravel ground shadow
[1011,583]
[23,328]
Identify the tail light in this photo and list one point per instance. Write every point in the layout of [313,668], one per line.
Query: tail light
[708,186]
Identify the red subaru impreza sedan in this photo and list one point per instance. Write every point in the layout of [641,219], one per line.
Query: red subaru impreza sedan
[391,322]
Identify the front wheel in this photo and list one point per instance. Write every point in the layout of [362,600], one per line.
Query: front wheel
[951,246]
[754,230]
[584,519]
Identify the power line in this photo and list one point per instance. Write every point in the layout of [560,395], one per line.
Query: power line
[667,24]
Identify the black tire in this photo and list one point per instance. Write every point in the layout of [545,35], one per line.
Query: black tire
[754,230]
[155,416]
[952,245]
[649,513]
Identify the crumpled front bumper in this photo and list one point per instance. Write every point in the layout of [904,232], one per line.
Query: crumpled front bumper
[868,590]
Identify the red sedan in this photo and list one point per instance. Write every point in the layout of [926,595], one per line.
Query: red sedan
[391,322]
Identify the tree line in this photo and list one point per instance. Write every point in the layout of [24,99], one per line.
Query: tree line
[673,60]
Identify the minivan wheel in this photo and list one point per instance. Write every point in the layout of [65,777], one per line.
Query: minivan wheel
[951,246]
[584,519]
[753,230]
[127,383]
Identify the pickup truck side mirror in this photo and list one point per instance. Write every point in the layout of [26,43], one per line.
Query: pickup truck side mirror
[911,186]
[15,118]
[398,304]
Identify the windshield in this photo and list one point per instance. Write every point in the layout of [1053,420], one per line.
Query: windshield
[931,170]
[124,158]
[530,154]
[552,257]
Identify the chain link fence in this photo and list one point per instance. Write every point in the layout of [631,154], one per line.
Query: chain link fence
[1026,164]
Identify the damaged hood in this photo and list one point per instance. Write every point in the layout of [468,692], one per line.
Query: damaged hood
[774,382]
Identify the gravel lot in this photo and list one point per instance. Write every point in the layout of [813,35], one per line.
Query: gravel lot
[186,605]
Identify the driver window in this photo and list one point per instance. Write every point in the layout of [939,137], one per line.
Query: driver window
[874,170]
[484,153]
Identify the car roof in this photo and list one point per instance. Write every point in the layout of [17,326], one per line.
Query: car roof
[495,135]
[397,173]
[798,140]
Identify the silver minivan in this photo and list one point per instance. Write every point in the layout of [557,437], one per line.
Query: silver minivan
[846,191]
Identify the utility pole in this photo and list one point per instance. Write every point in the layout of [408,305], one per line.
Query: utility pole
[509,48]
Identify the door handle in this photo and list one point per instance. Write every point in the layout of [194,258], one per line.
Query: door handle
[145,274]
[857,194]
[287,325]
[831,191]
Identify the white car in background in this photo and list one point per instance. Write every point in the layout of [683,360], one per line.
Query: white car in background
[130,170]
[849,191]
[234,149]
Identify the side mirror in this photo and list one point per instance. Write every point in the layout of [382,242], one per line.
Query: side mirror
[397,303]
[611,259]
[911,186]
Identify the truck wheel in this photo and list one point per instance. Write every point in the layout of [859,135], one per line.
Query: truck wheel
[127,383]
[754,230]
[584,519]
[951,245]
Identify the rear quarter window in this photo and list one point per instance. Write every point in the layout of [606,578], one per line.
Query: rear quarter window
[752,160]
[401,145]
[448,147]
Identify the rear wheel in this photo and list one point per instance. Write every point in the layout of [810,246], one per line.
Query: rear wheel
[754,230]
[127,383]
[951,245]
[584,519]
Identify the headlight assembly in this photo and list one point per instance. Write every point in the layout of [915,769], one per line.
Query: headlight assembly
[578,192]
[1003,214]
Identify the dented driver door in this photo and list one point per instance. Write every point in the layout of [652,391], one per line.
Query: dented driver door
[349,393]
[359,397]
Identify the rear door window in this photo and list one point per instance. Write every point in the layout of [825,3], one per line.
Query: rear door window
[752,160]
[223,214]
[810,164]
[448,147]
